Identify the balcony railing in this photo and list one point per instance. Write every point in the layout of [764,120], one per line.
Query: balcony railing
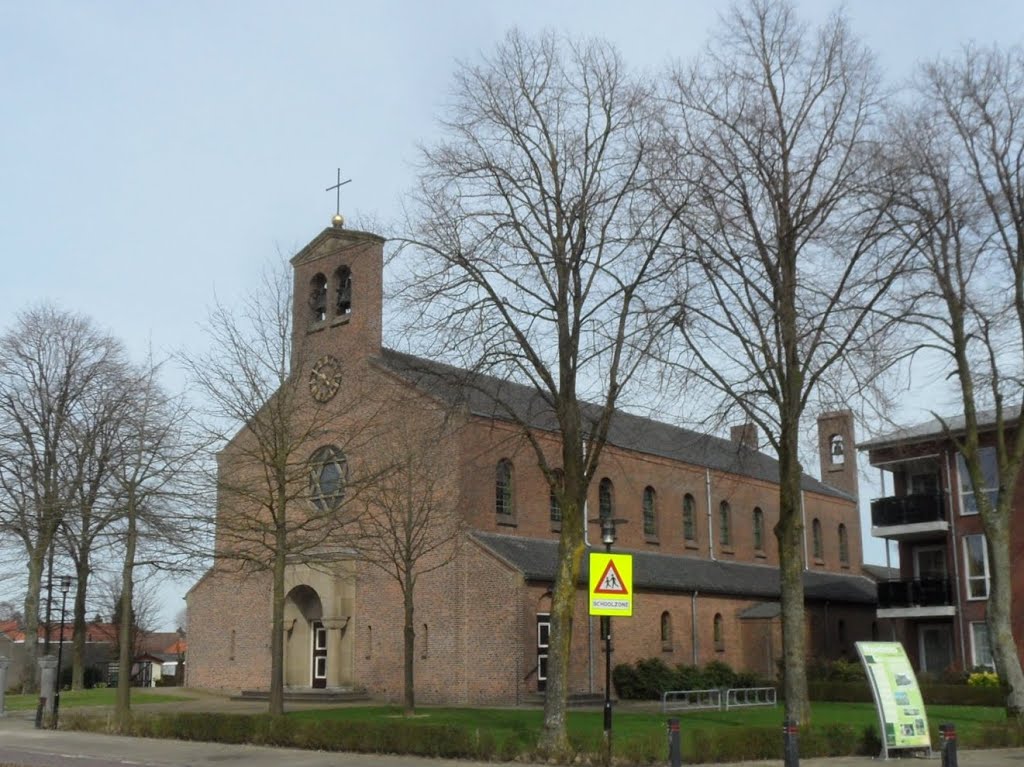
[907,510]
[915,592]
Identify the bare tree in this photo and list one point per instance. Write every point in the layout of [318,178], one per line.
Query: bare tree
[52,363]
[411,525]
[786,266]
[159,519]
[531,248]
[258,407]
[91,450]
[959,163]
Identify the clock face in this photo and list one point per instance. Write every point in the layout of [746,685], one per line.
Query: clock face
[325,378]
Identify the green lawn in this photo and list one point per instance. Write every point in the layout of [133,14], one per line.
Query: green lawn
[95,697]
[587,726]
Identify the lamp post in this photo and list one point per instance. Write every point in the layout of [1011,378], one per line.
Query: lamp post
[608,525]
[65,586]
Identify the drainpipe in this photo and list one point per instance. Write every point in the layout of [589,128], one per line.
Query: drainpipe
[803,520]
[693,626]
[955,555]
[711,527]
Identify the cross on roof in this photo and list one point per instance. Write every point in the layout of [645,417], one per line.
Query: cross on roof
[337,188]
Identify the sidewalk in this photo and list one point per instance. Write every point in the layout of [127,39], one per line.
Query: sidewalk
[17,732]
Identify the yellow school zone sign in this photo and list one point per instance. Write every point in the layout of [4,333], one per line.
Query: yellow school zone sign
[611,584]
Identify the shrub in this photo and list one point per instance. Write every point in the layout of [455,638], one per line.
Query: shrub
[650,677]
[983,679]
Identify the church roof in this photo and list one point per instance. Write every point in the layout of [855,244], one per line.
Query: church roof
[490,397]
[537,558]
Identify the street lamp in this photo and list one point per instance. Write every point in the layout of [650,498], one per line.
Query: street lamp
[65,586]
[608,525]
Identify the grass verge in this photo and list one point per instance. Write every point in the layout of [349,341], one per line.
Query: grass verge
[95,697]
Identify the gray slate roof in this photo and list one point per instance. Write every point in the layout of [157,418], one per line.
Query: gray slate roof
[933,429]
[490,397]
[536,558]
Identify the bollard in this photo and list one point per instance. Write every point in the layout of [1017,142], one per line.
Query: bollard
[675,752]
[948,734]
[39,712]
[790,743]
[4,663]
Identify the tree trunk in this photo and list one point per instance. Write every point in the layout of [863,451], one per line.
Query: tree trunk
[78,634]
[276,704]
[410,646]
[125,654]
[999,615]
[790,534]
[554,741]
[36,562]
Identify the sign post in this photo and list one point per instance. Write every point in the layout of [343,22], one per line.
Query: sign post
[901,714]
[611,593]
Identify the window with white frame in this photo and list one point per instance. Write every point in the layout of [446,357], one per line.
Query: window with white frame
[981,650]
[976,566]
[990,474]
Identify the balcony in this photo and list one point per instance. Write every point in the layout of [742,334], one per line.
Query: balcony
[916,598]
[909,517]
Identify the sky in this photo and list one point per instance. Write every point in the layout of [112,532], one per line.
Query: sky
[154,156]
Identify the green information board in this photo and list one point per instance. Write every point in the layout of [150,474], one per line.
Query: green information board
[901,713]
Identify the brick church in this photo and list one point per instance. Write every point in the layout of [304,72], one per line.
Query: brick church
[700,510]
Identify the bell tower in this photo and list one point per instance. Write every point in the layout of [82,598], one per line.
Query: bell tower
[837,451]
[337,296]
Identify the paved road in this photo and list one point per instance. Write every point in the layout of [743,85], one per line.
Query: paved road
[21,744]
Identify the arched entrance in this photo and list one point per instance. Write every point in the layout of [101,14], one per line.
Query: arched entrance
[305,639]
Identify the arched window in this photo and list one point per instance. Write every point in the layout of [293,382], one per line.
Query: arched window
[758,529]
[844,545]
[318,298]
[503,489]
[650,520]
[605,499]
[836,449]
[554,506]
[328,472]
[342,291]
[816,542]
[666,631]
[689,518]
[725,523]
[719,633]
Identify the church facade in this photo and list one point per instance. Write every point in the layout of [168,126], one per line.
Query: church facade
[700,511]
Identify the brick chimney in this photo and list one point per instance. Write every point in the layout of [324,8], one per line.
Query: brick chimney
[745,435]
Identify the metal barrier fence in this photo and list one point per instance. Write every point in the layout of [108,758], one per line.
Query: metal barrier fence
[736,697]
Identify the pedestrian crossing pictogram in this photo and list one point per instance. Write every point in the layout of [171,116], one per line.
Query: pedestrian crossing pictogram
[610,581]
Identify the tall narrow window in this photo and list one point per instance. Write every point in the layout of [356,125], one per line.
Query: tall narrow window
[817,545]
[758,529]
[318,298]
[650,520]
[725,524]
[844,546]
[666,631]
[342,291]
[425,642]
[503,489]
[981,649]
[976,566]
[231,646]
[990,475]
[605,499]
[689,518]
[554,505]
[369,641]
[719,633]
